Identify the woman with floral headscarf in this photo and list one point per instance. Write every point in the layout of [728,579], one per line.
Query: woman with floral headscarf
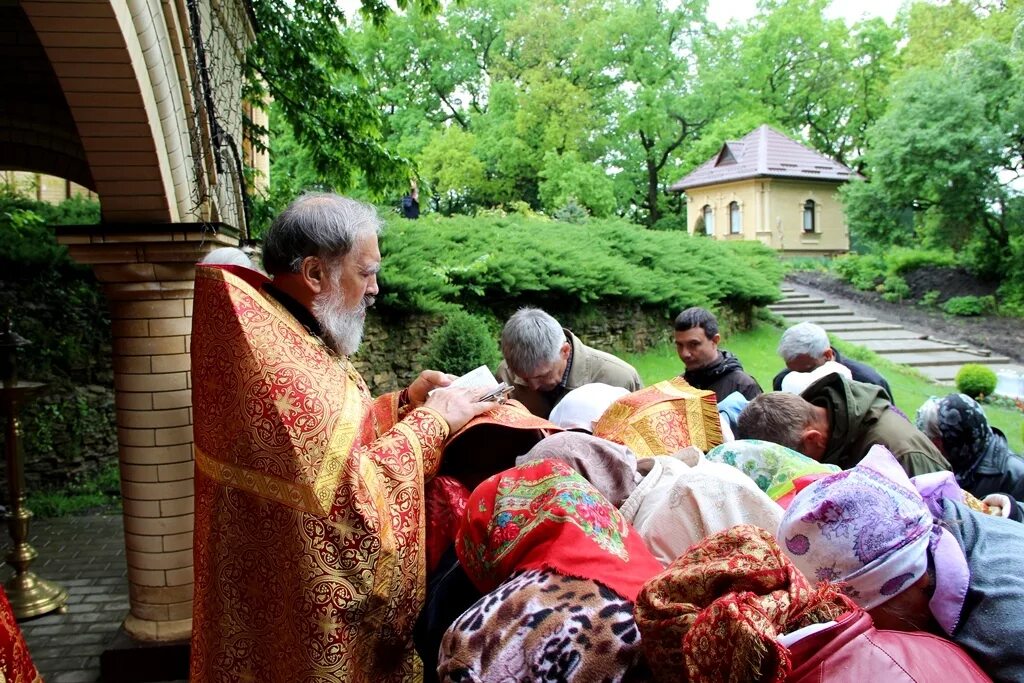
[778,471]
[560,568]
[734,609]
[981,459]
[914,563]
[673,501]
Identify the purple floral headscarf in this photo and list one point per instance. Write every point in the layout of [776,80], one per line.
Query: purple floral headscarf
[870,528]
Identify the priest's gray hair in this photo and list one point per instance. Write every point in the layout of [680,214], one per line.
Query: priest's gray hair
[530,339]
[319,224]
[803,339]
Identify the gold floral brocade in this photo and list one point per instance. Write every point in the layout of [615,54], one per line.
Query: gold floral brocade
[309,548]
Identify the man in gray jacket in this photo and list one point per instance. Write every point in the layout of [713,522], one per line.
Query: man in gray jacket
[545,361]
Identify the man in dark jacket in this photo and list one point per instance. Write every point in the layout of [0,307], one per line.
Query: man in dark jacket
[708,368]
[837,421]
[805,347]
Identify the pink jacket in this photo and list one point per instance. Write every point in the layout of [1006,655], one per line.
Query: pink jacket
[854,650]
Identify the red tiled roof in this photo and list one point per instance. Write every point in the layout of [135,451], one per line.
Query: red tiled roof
[764,152]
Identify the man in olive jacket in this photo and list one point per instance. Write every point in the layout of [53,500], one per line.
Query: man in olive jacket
[544,361]
[837,421]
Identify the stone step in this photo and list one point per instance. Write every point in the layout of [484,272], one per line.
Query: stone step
[907,345]
[866,325]
[862,336]
[931,358]
[818,309]
[800,300]
[825,320]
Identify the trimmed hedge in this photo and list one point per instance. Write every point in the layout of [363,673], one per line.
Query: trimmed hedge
[487,262]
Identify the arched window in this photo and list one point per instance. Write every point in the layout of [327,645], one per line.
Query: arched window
[735,227]
[709,220]
[809,219]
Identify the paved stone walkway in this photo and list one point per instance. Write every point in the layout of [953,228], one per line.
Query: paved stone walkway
[936,358]
[86,556]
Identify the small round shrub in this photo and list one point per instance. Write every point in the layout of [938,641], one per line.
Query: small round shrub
[969,305]
[976,380]
[462,343]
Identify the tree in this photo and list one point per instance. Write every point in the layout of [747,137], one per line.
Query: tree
[301,60]
[949,147]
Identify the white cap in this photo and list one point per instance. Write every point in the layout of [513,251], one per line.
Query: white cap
[583,406]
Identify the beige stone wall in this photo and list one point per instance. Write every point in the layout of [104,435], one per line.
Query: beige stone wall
[772,212]
[747,193]
[786,215]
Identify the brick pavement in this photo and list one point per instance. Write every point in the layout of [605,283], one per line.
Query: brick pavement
[86,556]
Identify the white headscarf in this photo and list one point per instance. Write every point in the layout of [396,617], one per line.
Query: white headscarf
[684,498]
[796,382]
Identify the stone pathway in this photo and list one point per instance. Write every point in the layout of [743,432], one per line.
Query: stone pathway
[935,358]
[86,556]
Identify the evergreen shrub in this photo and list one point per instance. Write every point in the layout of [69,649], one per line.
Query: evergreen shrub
[976,380]
[463,342]
[503,262]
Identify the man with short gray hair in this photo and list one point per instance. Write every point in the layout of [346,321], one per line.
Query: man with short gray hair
[544,361]
[804,347]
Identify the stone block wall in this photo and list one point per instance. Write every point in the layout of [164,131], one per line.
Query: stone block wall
[392,343]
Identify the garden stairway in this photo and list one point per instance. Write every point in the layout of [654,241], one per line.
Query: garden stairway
[935,358]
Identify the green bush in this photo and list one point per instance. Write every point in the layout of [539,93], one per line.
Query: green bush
[895,289]
[463,342]
[100,491]
[868,271]
[506,261]
[865,272]
[976,380]
[930,298]
[969,305]
[900,260]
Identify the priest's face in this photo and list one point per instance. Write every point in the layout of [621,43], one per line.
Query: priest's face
[349,289]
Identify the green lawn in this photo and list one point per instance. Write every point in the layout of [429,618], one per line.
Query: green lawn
[756,349]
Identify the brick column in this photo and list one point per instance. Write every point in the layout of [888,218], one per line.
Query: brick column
[147,275]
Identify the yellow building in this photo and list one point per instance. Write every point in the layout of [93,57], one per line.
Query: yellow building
[769,188]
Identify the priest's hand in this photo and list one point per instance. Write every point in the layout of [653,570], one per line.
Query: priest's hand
[458,405]
[425,383]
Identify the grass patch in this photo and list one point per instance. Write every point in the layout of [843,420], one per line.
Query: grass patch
[99,493]
[756,350]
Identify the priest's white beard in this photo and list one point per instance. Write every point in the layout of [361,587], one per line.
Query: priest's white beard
[342,328]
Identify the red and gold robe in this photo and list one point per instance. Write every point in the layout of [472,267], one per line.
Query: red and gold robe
[309,531]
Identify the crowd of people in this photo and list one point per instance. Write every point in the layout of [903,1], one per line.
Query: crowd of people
[588,528]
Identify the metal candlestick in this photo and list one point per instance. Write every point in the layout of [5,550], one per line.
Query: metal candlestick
[28,594]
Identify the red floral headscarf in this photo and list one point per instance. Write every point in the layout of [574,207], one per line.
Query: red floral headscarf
[544,515]
[445,500]
[716,611]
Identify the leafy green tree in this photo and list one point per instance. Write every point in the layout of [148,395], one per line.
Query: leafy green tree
[566,177]
[302,61]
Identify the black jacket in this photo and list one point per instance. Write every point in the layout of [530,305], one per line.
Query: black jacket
[724,376]
[860,372]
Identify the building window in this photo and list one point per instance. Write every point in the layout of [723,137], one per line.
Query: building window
[809,220]
[709,220]
[735,228]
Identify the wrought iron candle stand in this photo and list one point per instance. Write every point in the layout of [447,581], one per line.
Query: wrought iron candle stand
[28,594]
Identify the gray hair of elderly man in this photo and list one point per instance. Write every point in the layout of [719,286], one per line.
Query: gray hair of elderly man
[530,339]
[804,339]
[319,224]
